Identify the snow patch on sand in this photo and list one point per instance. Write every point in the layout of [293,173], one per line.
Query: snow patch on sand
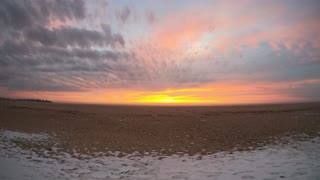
[294,160]
[13,135]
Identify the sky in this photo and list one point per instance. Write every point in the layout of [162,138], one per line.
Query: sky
[161,51]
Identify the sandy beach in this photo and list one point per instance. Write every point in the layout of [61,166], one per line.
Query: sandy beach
[167,130]
[73,141]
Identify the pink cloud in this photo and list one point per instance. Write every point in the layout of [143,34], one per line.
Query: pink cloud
[231,26]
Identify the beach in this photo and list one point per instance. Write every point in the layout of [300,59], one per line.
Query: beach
[169,130]
[157,134]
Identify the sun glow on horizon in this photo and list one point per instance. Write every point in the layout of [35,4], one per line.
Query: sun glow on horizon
[211,94]
[174,96]
[167,99]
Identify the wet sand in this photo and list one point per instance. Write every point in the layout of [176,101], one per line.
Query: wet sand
[168,130]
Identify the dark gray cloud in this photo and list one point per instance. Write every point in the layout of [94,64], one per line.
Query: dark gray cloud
[34,56]
[36,67]
[52,68]
[64,36]
[19,14]
[29,20]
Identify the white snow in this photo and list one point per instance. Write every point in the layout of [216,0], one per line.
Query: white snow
[295,160]
[11,135]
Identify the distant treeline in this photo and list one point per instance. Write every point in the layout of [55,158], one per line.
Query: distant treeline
[25,100]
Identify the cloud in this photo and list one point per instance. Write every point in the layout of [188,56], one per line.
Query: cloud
[227,28]
[306,91]
[150,16]
[124,14]
[71,36]
[19,14]
[179,29]
[55,45]
[24,66]
[35,56]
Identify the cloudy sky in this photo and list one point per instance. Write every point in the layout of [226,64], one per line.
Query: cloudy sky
[160,51]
